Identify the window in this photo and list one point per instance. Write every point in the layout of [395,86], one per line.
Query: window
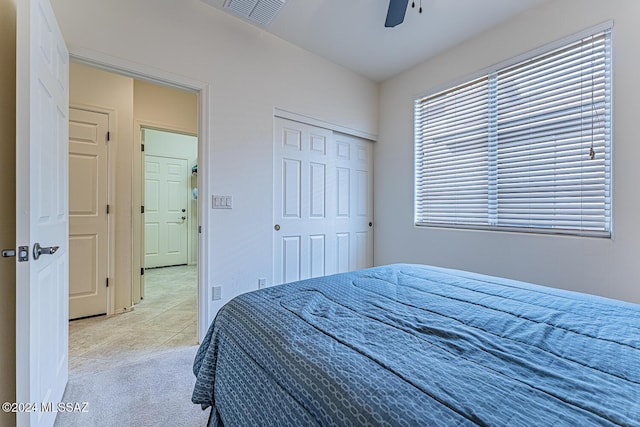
[523,147]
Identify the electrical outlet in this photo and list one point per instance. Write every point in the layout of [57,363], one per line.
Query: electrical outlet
[216,293]
[262,283]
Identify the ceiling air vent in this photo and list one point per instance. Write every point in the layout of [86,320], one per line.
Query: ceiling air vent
[261,12]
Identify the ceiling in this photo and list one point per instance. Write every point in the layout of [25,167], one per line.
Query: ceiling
[352,33]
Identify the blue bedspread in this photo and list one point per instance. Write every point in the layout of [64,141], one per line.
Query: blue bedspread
[409,345]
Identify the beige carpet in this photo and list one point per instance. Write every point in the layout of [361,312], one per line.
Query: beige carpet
[152,392]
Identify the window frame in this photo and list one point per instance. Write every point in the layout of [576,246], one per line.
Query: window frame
[487,72]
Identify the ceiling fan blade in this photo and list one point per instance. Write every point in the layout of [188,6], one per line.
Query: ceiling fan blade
[395,14]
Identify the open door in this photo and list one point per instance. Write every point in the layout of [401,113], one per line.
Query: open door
[42,223]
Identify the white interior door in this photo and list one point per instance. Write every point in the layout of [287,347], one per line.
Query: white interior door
[88,220]
[166,194]
[42,209]
[322,202]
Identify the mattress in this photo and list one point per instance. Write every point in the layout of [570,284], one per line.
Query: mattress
[407,345]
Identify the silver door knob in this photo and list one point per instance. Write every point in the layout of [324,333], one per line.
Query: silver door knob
[276,227]
[184,217]
[40,250]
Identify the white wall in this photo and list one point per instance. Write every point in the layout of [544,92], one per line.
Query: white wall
[599,266]
[250,73]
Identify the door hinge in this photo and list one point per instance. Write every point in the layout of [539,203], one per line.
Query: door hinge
[141,209]
[108,136]
[108,209]
[199,229]
[141,147]
[142,271]
[107,282]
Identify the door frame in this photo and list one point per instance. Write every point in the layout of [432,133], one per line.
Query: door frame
[203,91]
[111,192]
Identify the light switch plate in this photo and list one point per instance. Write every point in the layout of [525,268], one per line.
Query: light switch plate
[222,202]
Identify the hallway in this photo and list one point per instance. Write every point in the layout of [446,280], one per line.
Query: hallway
[165,319]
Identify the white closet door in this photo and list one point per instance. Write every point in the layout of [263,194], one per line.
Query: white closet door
[354,211]
[322,202]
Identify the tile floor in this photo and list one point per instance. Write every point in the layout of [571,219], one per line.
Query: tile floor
[164,319]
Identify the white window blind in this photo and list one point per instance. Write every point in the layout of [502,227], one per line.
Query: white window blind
[525,147]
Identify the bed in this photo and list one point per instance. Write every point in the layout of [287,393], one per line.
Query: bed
[412,345]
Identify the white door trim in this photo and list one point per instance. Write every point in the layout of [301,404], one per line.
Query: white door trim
[111,193]
[154,75]
[296,117]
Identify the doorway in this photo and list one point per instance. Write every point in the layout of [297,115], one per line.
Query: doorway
[135,102]
[170,198]
[170,220]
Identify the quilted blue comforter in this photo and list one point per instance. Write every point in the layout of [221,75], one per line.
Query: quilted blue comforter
[409,345]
